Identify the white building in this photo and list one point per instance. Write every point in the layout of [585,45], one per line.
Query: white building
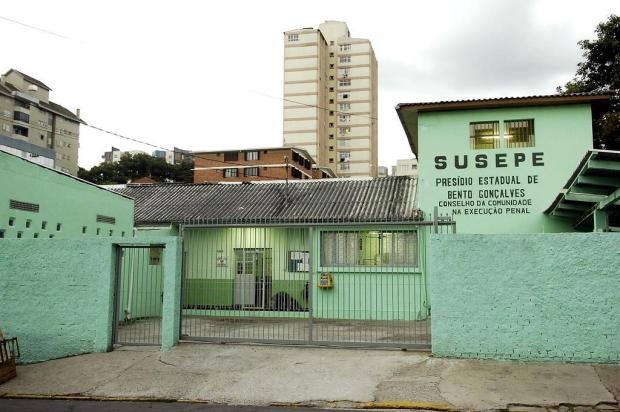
[405,167]
[330,98]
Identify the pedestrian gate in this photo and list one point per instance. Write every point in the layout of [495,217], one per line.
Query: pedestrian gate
[138,295]
[362,286]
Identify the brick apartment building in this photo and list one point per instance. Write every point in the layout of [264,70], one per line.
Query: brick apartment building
[257,164]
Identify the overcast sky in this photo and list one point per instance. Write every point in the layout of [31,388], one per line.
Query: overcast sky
[208,75]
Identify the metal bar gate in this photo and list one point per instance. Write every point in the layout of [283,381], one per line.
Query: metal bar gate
[138,296]
[345,286]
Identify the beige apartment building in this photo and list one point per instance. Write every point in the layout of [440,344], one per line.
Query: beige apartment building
[34,127]
[330,98]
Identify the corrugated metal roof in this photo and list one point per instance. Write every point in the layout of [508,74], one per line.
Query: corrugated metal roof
[313,201]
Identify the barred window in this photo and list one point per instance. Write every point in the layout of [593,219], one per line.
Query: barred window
[519,133]
[484,135]
[369,248]
[293,37]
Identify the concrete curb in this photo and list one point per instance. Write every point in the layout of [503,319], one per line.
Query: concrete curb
[319,404]
[431,406]
[382,405]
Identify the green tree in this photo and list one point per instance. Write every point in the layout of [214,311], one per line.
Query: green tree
[132,167]
[600,72]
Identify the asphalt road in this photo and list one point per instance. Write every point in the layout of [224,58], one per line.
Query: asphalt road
[47,405]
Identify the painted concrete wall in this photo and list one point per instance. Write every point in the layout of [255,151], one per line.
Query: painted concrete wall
[532,180]
[68,207]
[56,295]
[527,297]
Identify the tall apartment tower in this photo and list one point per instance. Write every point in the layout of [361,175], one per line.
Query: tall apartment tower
[330,98]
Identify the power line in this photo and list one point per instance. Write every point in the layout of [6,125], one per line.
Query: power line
[35,28]
[133,139]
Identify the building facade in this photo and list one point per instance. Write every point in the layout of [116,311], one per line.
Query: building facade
[36,202]
[174,156]
[257,164]
[496,165]
[28,116]
[405,167]
[115,154]
[330,98]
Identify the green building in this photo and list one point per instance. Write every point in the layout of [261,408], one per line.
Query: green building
[514,165]
[331,261]
[38,202]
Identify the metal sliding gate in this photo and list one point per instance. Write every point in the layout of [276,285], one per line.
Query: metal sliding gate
[138,295]
[346,286]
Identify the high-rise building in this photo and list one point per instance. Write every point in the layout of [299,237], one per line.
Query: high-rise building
[405,167]
[330,98]
[28,118]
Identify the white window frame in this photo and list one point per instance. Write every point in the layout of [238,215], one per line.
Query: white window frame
[251,155]
[230,172]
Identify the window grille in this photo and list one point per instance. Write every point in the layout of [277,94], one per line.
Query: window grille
[484,135]
[519,133]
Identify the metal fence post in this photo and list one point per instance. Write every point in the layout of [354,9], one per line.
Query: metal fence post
[310,282]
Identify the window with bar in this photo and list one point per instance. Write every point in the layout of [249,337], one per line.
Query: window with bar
[519,133]
[484,135]
[369,248]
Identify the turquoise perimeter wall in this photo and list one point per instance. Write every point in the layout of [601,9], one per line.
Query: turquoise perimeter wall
[509,190]
[527,297]
[56,295]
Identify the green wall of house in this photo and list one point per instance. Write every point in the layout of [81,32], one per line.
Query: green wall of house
[68,207]
[515,186]
[526,296]
[212,264]
[375,288]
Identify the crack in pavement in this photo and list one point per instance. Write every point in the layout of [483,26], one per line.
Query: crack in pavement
[117,375]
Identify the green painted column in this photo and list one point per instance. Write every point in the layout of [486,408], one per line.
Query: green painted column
[601,221]
[171,316]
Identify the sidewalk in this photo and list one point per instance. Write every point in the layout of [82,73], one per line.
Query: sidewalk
[352,378]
